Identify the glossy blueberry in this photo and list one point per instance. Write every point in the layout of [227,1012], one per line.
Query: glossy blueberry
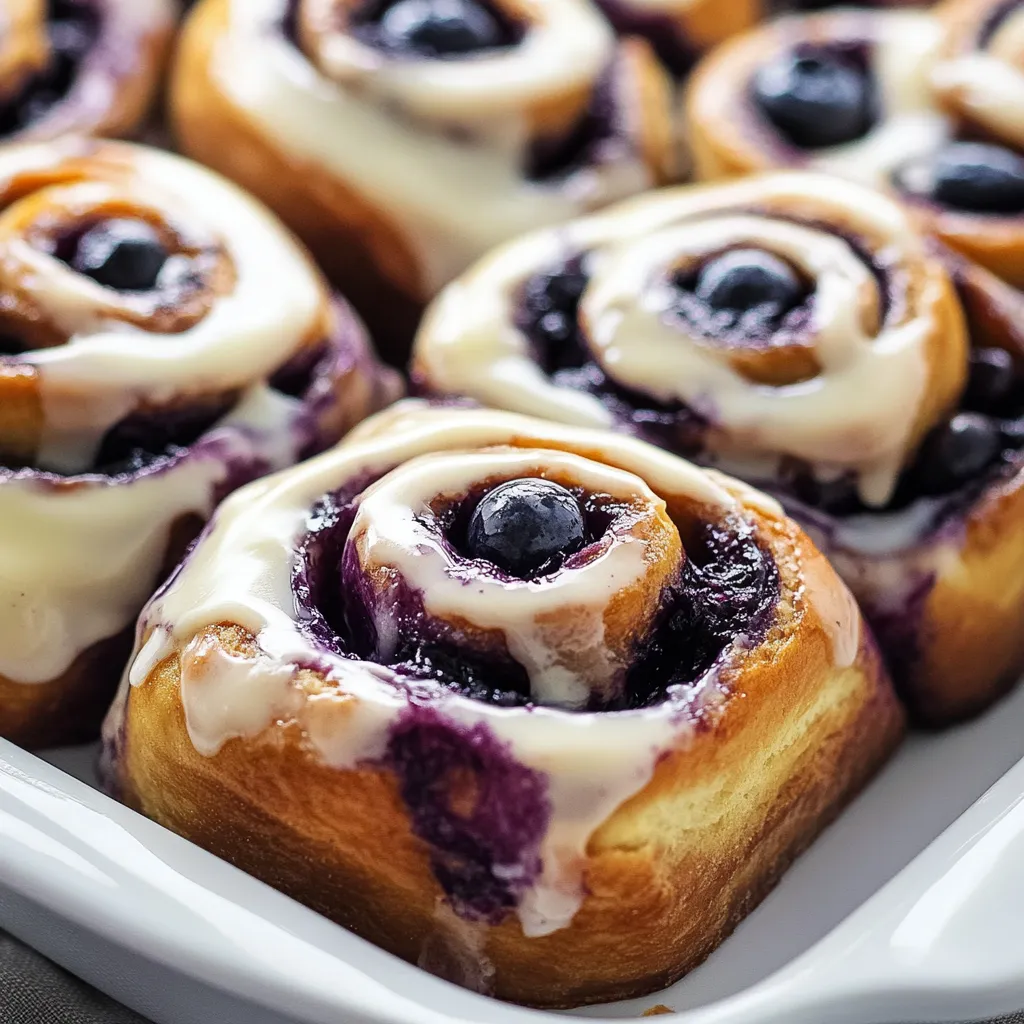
[979,178]
[552,300]
[526,527]
[440,28]
[746,279]
[991,380]
[123,254]
[958,451]
[816,99]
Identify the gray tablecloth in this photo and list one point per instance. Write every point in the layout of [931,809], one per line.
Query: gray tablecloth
[35,991]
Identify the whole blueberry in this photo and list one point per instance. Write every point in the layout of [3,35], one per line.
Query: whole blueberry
[526,527]
[979,178]
[551,300]
[815,98]
[746,279]
[440,28]
[958,451]
[123,254]
[991,380]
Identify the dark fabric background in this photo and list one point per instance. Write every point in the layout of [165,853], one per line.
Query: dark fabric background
[35,991]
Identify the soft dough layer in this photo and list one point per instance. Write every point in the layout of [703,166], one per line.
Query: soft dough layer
[618,848]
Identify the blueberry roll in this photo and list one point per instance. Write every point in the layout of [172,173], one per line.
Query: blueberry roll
[846,92]
[544,710]
[970,191]
[681,30]
[798,331]
[162,340]
[80,66]
[403,139]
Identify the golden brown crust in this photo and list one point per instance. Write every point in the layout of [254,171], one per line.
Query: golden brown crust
[970,642]
[797,739]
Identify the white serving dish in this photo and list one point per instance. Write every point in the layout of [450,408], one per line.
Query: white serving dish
[907,909]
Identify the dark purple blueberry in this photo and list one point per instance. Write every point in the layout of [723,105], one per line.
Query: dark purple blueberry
[440,28]
[747,279]
[991,380]
[979,178]
[957,452]
[126,255]
[551,301]
[526,527]
[815,98]
[1012,433]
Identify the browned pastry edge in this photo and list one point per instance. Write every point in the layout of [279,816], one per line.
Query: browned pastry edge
[660,898]
[70,708]
[131,95]
[706,23]
[970,641]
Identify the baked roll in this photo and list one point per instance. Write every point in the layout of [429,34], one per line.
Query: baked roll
[680,31]
[971,191]
[796,330]
[162,340]
[543,710]
[402,141]
[80,66]
[847,92]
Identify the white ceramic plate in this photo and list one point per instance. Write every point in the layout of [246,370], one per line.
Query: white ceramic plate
[907,909]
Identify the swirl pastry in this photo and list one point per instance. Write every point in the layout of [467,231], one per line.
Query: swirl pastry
[544,710]
[80,66]
[162,340]
[798,331]
[846,92]
[681,30]
[402,140]
[971,191]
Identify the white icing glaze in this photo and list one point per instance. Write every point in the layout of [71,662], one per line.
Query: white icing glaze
[241,573]
[77,562]
[857,413]
[438,145]
[988,85]
[108,366]
[905,45]
[564,669]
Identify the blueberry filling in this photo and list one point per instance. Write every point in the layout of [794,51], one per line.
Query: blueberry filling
[527,528]
[438,29]
[73,27]
[979,178]
[817,96]
[482,812]
[555,157]
[727,589]
[123,254]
